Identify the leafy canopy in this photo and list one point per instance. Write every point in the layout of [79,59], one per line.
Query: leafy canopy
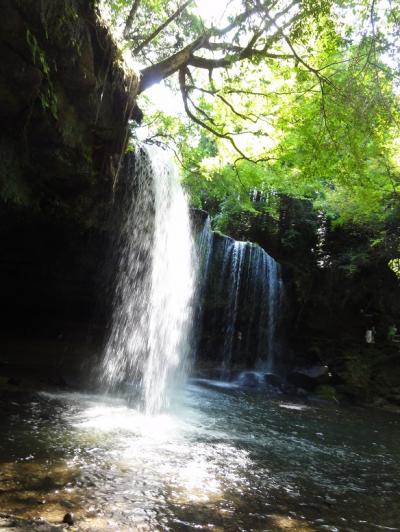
[305,89]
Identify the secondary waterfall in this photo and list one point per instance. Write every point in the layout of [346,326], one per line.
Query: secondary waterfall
[233,267]
[243,300]
[149,344]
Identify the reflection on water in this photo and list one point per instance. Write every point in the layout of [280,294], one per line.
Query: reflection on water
[227,460]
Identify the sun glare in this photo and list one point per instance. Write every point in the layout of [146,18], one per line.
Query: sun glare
[214,11]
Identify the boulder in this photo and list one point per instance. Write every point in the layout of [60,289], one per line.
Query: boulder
[310,377]
[69,519]
[273,380]
[251,379]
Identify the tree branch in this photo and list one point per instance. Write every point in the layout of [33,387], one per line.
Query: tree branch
[160,28]
[186,57]
[250,116]
[200,111]
[216,46]
[184,92]
[249,52]
[155,73]
[129,20]
[315,71]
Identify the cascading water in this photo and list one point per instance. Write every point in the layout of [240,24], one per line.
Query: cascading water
[243,296]
[264,283]
[235,256]
[204,246]
[275,292]
[150,339]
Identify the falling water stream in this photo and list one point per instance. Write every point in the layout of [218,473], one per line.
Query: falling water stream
[245,290]
[149,343]
[236,257]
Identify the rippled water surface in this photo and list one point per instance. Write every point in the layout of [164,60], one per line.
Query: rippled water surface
[226,460]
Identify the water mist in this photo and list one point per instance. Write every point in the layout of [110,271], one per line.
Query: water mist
[149,346]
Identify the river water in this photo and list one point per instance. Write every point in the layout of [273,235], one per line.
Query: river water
[226,459]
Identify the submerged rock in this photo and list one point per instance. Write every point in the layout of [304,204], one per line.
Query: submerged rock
[69,519]
[12,523]
[251,379]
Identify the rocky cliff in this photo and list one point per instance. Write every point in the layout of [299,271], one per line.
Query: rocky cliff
[65,103]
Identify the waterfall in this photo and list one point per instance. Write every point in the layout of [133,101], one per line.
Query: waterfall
[204,251]
[150,338]
[272,269]
[235,257]
[203,245]
[243,299]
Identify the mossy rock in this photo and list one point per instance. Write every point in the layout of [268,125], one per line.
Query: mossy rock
[359,369]
[387,378]
[326,392]
[13,188]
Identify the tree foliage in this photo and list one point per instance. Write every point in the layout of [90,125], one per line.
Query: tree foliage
[282,97]
[215,63]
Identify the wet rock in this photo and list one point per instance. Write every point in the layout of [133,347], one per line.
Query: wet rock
[12,381]
[16,524]
[301,380]
[326,392]
[69,519]
[379,402]
[67,504]
[273,380]
[310,377]
[57,380]
[251,379]
[288,389]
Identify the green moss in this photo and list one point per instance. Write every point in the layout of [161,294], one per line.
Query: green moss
[13,188]
[327,392]
[47,95]
[358,372]
[73,129]
[359,368]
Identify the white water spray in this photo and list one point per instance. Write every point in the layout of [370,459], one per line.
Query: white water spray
[150,340]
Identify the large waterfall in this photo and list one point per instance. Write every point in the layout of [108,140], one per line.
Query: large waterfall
[148,348]
[242,299]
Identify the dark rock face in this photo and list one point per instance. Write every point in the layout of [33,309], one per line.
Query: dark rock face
[309,378]
[273,380]
[335,305]
[64,103]
[64,108]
